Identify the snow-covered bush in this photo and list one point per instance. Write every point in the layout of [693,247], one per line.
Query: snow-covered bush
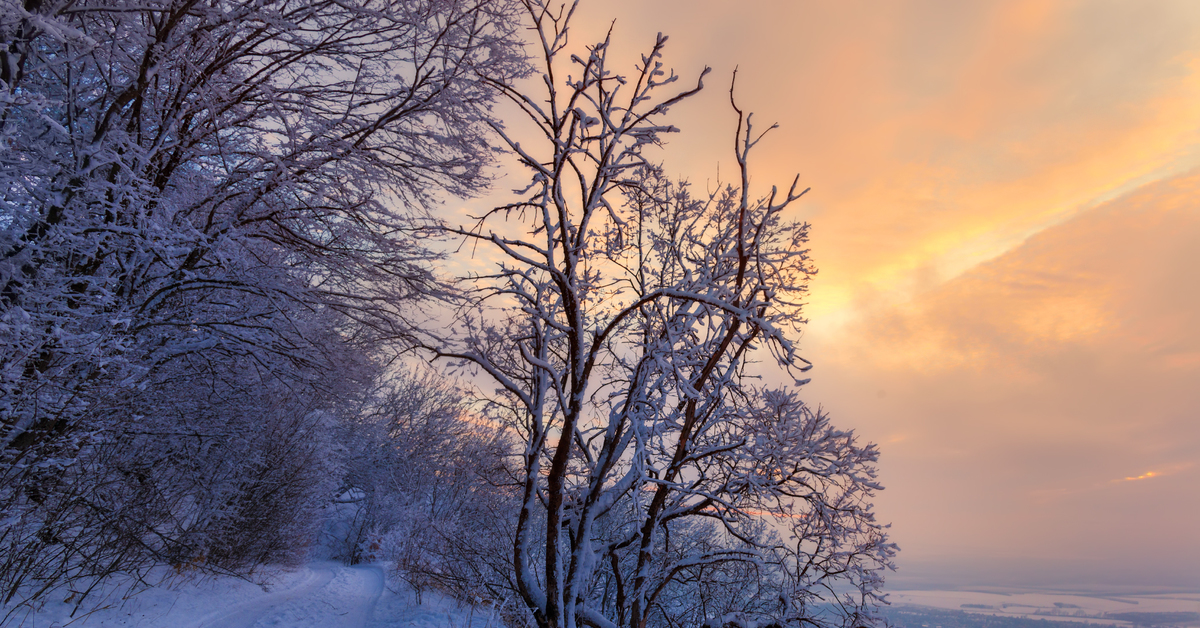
[213,465]
[428,480]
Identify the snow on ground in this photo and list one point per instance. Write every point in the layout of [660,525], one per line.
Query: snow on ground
[333,595]
[321,595]
[1078,607]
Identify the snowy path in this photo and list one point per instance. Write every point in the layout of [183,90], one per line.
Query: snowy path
[320,595]
[332,595]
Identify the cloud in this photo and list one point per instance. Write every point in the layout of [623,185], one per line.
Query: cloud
[1114,281]
[1027,384]
[1169,470]
[935,135]
[1007,241]
[1144,476]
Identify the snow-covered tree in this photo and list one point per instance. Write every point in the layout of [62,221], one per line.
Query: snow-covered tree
[619,327]
[168,153]
[216,189]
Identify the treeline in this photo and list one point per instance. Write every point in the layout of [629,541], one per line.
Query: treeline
[204,256]
[214,262]
[908,616]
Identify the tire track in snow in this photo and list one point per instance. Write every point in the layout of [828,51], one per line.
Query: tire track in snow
[239,614]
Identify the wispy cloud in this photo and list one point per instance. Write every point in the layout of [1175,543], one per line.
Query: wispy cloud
[1045,495]
[1171,470]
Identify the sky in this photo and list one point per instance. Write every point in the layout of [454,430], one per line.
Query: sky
[1005,213]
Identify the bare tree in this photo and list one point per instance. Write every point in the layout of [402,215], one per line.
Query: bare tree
[618,328]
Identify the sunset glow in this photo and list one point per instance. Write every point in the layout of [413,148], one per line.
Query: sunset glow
[1006,217]
[1146,475]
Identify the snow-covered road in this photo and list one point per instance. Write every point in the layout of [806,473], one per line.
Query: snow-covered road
[319,595]
[330,595]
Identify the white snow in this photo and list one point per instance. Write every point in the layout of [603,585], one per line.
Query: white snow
[321,595]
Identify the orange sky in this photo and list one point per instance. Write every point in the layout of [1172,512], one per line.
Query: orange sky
[1006,217]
